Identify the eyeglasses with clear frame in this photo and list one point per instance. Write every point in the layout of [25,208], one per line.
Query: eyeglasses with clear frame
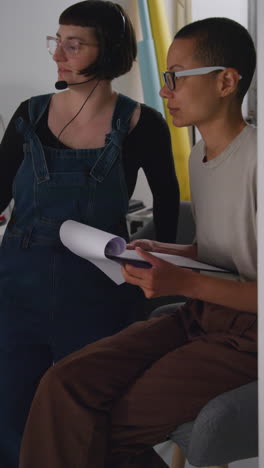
[170,77]
[71,47]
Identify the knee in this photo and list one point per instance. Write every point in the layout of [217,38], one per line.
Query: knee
[52,383]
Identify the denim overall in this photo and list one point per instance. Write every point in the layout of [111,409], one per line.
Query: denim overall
[52,301]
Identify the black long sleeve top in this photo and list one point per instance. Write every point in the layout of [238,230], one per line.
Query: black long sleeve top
[148,146]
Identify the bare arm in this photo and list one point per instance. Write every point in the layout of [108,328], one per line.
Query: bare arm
[165,279]
[238,295]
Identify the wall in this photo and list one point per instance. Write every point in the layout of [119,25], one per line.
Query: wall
[235,9]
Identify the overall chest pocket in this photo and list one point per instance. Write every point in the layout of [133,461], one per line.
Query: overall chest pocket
[80,197]
[65,196]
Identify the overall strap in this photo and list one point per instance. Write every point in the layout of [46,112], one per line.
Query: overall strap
[37,106]
[124,109]
[120,125]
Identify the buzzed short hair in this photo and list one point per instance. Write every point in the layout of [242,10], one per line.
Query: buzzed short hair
[223,42]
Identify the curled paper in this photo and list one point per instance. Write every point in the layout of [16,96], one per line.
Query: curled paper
[91,243]
[115,246]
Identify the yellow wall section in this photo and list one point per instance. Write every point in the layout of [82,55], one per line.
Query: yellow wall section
[179,136]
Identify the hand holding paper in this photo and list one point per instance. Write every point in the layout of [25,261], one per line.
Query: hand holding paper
[106,251]
[163,279]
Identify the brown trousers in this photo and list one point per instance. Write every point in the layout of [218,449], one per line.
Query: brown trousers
[106,405]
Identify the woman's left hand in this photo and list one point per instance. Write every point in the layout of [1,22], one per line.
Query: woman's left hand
[162,279]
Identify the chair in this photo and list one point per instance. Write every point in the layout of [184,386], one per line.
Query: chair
[186,228]
[225,430]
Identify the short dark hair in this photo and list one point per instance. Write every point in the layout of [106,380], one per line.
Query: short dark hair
[223,42]
[114,32]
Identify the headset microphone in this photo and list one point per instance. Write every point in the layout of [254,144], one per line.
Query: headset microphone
[63,84]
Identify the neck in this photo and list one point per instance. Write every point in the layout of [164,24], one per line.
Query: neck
[100,97]
[220,132]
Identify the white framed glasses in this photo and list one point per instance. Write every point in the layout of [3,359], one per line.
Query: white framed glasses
[170,77]
[71,47]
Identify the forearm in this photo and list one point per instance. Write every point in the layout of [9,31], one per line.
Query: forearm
[234,294]
[11,156]
[158,166]
[6,180]
[165,209]
[165,227]
[166,279]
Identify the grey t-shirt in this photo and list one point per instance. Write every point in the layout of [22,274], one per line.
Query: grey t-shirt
[224,203]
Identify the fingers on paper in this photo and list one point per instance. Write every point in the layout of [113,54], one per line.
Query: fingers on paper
[144,244]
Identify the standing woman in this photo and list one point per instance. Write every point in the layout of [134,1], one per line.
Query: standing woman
[72,155]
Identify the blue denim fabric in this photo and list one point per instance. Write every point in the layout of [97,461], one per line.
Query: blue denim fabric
[52,301]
